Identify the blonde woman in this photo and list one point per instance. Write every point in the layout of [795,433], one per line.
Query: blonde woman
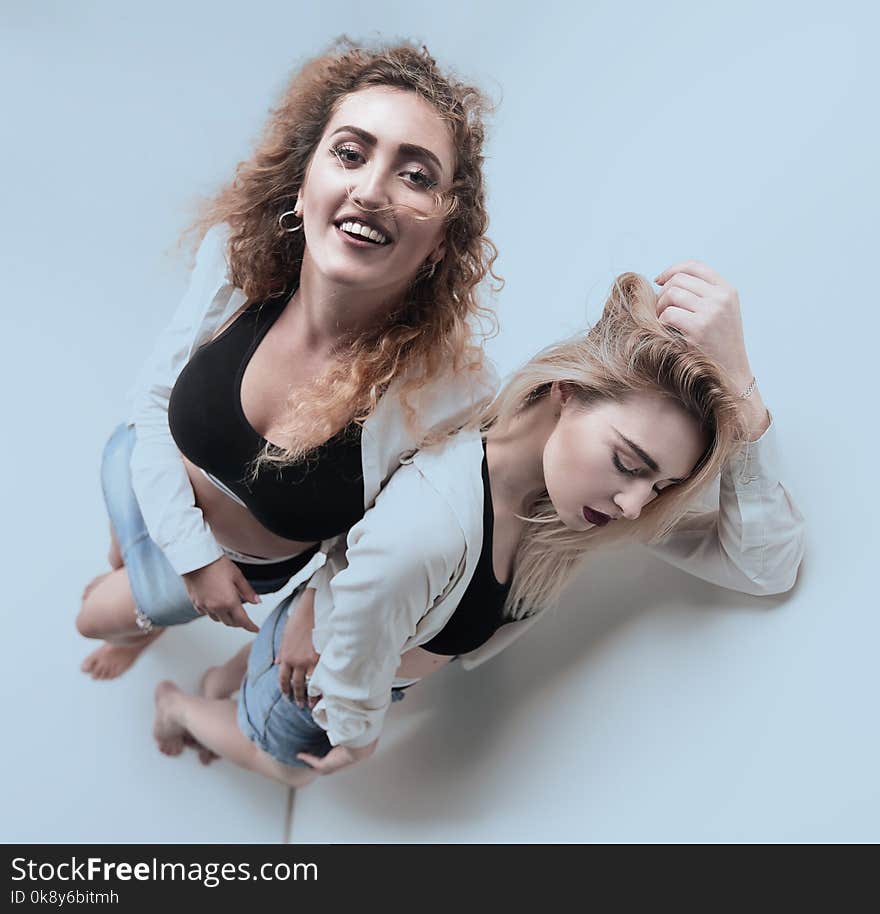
[608,437]
[328,328]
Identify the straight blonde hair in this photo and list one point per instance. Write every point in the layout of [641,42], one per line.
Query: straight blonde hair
[627,351]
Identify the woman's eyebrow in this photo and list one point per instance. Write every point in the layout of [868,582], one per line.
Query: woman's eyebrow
[409,149]
[650,462]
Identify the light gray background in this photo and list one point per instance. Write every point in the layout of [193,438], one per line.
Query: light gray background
[629,135]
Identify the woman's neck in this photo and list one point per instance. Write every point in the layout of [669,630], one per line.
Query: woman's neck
[329,314]
[515,456]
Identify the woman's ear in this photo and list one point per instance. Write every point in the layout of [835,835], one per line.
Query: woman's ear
[560,394]
[561,391]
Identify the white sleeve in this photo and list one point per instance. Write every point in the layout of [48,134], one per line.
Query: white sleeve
[399,559]
[159,478]
[754,541]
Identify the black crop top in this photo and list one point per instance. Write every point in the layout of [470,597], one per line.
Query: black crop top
[313,499]
[478,616]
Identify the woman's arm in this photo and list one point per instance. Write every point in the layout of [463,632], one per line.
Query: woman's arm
[754,541]
[297,658]
[159,478]
[398,560]
[215,585]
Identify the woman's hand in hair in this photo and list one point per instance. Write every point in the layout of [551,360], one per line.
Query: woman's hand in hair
[217,590]
[705,308]
[296,658]
[337,758]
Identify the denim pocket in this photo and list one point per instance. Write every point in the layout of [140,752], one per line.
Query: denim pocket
[262,658]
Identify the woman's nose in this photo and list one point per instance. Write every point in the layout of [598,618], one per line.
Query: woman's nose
[628,508]
[370,189]
[631,502]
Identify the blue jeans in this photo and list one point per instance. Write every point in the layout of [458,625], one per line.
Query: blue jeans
[265,715]
[158,590]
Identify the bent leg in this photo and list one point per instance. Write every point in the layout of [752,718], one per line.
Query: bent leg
[108,609]
[108,613]
[220,682]
[223,681]
[212,723]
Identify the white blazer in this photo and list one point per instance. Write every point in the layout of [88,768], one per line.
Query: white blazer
[404,567]
[159,478]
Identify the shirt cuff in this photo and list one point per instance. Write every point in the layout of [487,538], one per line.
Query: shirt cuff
[755,467]
[192,555]
[346,729]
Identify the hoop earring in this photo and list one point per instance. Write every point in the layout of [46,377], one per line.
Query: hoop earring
[290,212]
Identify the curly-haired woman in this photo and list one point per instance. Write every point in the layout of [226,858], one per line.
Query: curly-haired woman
[329,328]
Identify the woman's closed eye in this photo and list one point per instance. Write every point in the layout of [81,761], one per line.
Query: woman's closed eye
[630,471]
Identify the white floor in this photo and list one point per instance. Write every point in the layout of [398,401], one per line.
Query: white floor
[80,763]
[651,706]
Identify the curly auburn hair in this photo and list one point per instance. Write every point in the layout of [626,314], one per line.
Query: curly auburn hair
[436,326]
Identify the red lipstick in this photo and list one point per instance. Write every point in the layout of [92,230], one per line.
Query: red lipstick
[596,517]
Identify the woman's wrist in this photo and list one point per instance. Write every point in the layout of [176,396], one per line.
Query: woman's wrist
[741,377]
[754,413]
[751,404]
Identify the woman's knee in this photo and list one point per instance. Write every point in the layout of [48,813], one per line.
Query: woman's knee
[87,618]
[290,775]
[297,777]
[107,607]
[86,622]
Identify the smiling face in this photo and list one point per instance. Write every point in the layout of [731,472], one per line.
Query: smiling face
[381,148]
[609,459]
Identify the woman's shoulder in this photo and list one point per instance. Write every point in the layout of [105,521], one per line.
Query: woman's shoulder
[457,456]
[445,403]
[212,249]
[212,297]
[453,468]
[400,425]
[470,388]
[415,518]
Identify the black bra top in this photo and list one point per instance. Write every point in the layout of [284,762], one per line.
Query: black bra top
[478,616]
[316,498]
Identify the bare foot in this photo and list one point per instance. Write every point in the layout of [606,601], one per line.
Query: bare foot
[111,660]
[211,685]
[205,755]
[169,734]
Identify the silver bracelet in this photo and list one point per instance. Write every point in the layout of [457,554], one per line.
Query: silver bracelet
[748,391]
